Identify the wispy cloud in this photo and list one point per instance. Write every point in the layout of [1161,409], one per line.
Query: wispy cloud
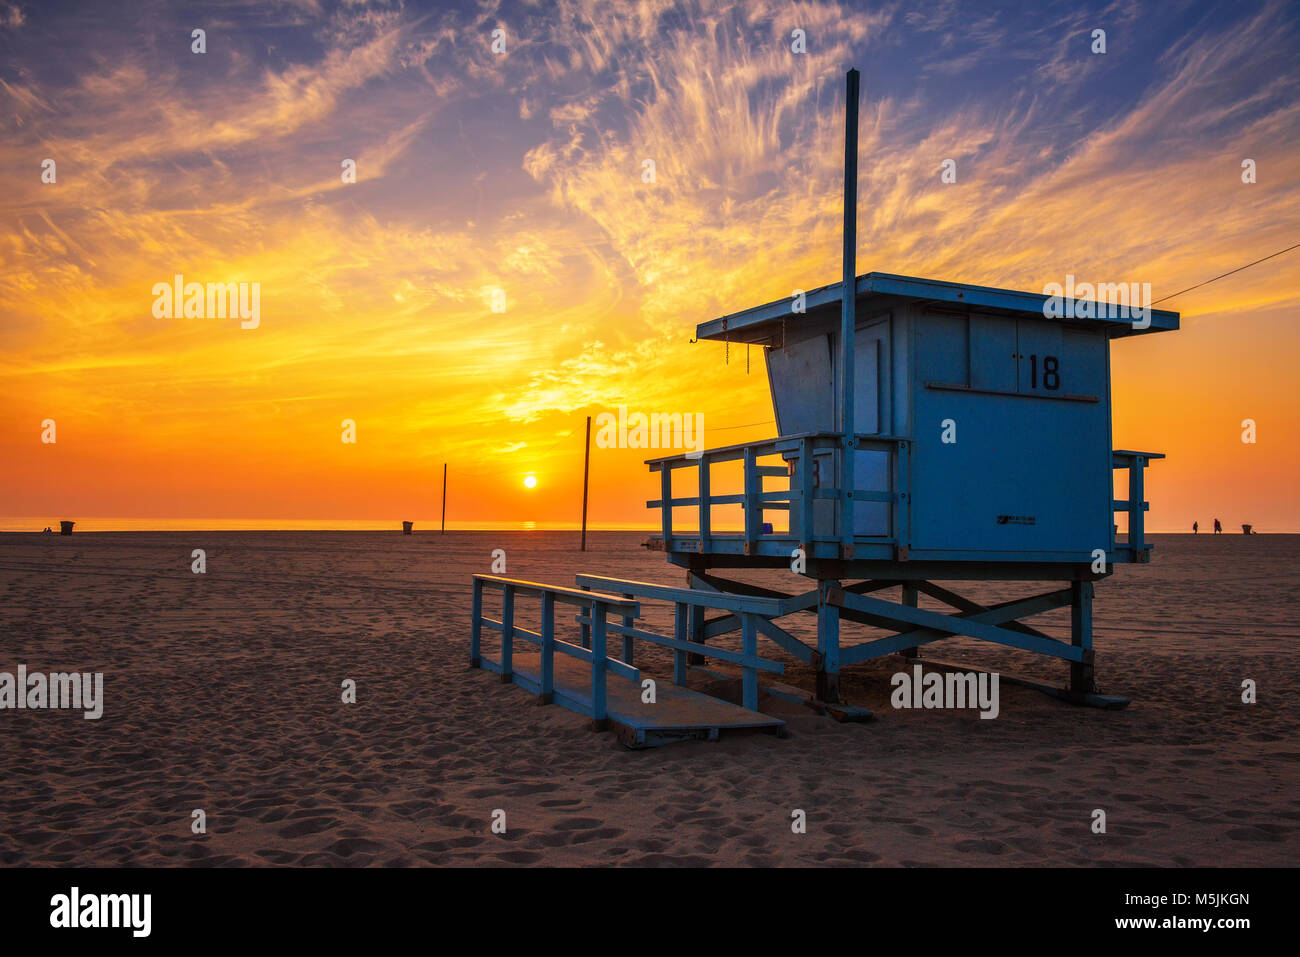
[526,172]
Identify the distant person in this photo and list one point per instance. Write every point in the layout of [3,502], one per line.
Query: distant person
[1218,529]
[1195,528]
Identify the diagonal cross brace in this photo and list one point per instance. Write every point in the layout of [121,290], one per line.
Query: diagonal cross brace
[966,605]
[933,625]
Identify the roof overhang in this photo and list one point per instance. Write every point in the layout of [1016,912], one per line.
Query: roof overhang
[763,324]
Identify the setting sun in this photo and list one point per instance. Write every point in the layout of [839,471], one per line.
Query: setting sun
[530,481]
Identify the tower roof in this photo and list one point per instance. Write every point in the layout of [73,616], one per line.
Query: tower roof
[762,324]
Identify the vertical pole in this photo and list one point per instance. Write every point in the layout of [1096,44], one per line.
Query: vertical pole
[599,667]
[911,598]
[1082,680]
[546,694]
[706,517]
[444,498]
[828,646]
[666,497]
[694,622]
[476,624]
[680,628]
[748,673]
[806,501]
[584,621]
[586,468]
[848,304]
[1136,502]
[507,633]
[628,622]
[753,497]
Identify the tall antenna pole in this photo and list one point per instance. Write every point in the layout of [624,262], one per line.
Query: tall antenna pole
[444,498]
[586,466]
[848,296]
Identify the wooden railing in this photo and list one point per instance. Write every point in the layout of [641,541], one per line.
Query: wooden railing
[597,605]
[750,614]
[1135,505]
[808,484]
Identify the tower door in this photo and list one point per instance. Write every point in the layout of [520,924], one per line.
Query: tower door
[872,413]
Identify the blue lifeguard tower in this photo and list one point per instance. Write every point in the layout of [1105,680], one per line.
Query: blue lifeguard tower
[927,431]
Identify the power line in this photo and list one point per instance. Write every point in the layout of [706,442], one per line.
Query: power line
[1230,272]
[751,425]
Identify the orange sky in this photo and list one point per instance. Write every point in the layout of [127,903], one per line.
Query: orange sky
[523,171]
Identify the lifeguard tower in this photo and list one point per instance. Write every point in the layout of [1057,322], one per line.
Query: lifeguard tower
[927,431]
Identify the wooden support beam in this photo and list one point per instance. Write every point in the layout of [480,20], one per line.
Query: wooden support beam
[828,642]
[748,675]
[972,626]
[965,604]
[788,603]
[911,597]
[1082,678]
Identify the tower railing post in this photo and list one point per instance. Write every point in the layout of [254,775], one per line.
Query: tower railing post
[666,501]
[807,464]
[706,518]
[753,499]
[1136,503]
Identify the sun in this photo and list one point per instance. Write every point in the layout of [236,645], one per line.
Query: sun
[530,481]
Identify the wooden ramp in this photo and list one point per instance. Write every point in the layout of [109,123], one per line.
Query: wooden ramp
[678,714]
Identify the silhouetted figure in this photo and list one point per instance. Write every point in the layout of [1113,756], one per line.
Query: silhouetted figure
[1195,528]
[1218,529]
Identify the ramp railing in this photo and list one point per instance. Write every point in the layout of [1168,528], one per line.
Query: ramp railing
[752,614]
[597,607]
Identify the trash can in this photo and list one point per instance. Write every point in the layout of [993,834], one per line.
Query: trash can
[406,527]
[65,528]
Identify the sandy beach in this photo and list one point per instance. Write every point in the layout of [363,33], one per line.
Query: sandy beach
[222,691]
